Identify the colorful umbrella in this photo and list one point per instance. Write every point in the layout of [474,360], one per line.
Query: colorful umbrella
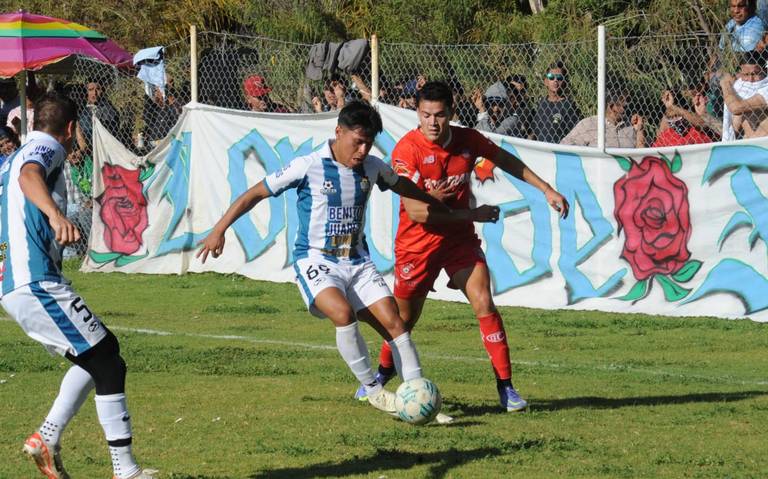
[31,42]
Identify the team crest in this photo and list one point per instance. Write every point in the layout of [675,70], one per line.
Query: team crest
[406,270]
[365,183]
[401,168]
[328,188]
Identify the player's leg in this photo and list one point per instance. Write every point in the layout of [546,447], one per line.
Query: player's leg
[44,444]
[322,285]
[475,282]
[56,316]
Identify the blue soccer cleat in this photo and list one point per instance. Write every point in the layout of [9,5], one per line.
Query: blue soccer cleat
[510,400]
[382,379]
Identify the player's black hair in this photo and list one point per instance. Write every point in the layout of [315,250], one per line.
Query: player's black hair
[359,115]
[436,91]
[53,112]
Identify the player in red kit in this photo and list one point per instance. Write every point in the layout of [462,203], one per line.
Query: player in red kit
[439,158]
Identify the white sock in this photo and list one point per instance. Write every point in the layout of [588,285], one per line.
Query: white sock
[75,386]
[353,349]
[405,357]
[116,422]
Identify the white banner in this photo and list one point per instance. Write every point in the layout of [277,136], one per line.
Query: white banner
[679,232]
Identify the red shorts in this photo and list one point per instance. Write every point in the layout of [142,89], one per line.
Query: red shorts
[415,273]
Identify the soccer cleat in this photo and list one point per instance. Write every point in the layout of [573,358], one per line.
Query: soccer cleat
[143,474]
[383,401]
[443,418]
[511,400]
[48,463]
[382,379]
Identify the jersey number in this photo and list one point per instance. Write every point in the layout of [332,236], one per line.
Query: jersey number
[79,306]
[312,272]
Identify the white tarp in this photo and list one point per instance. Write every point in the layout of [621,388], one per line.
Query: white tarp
[691,242]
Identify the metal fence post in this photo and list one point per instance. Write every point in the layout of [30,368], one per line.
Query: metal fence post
[193,62]
[601,87]
[374,68]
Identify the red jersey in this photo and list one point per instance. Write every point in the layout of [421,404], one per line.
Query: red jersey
[428,164]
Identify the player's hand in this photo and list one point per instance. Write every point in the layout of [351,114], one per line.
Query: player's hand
[557,201]
[66,233]
[477,100]
[485,214]
[213,244]
[317,104]
[700,104]
[443,191]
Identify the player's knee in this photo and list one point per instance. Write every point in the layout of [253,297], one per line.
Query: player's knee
[482,302]
[341,317]
[105,365]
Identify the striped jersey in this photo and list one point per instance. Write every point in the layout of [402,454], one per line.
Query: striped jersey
[331,204]
[28,245]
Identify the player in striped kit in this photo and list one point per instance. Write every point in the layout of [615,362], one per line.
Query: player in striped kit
[333,270]
[33,228]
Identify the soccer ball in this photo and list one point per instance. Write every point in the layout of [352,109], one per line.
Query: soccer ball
[418,401]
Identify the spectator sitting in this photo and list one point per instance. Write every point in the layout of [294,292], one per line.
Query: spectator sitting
[556,114]
[517,86]
[618,134]
[497,113]
[96,104]
[257,96]
[464,111]
[14,116]
[680,126]
[408,95]
[9,143]
[746,99]
[745,29]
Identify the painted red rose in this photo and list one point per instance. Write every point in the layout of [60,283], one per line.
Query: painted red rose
[652,208]
[123,209]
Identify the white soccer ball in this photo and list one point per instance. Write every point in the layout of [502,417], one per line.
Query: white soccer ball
[418,401]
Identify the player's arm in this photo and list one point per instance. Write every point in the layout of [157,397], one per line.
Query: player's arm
[425,208]
[515,167]
[738,105]
[34,187]
[214,242]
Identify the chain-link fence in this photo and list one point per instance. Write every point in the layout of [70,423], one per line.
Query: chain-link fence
[659,90]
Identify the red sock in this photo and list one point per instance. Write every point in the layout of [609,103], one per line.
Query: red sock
[385,356]
[495,342]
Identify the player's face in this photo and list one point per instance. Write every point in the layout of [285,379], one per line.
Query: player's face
[434,118]
[352,146]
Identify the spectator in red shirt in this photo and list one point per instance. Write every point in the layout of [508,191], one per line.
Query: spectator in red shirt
[680,126]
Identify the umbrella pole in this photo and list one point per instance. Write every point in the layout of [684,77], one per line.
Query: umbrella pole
[23,107]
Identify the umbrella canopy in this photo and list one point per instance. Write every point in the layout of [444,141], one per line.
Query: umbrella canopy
[30,42]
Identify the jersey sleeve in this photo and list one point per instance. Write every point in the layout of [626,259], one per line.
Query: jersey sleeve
[289,176]
[46,156]
[405,163]
[482,146]
[385,175]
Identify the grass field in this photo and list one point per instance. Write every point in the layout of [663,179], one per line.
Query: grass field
[243,383]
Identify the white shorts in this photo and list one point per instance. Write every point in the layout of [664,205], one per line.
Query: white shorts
[361,284]
[54,315]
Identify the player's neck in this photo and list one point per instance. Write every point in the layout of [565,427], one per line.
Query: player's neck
[335,156]
[443,141]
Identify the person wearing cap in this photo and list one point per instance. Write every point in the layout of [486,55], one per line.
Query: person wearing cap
[257,96]
[497,111]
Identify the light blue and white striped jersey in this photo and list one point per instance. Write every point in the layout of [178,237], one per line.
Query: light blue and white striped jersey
[332,200]
[27,242]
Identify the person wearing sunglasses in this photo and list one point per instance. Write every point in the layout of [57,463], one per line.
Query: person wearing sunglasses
[556,114]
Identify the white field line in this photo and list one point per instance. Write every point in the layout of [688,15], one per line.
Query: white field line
[325,347]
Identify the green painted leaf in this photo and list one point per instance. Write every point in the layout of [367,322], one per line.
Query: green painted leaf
[687,272]
[624,162]
[146,172]
[126,259]
[672,291]
[666,160]
[103,257]
[677,162]
[638,291]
